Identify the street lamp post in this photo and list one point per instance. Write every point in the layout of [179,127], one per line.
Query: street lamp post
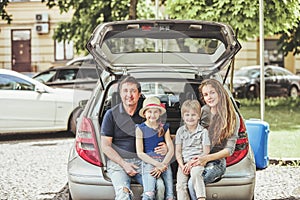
[262,63]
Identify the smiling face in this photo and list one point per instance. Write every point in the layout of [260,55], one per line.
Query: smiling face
[210,96]
[152,115]
[129,94]
[191,118]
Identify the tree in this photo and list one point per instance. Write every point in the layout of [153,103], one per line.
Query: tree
[242,15]
[88,14]
[4,15]
[281,16]
[289,41]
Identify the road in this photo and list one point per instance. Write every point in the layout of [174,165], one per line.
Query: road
[33,166]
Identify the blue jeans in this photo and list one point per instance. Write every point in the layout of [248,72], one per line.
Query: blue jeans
[212,171]
[120,179]
[149,182]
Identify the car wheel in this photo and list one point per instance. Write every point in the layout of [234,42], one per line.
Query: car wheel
[293,92]
[252,92]
[73,120]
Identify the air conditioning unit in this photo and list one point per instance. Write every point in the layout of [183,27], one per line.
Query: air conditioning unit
[42,17]
[42,28]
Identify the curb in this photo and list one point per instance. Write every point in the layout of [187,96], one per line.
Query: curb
[285,161]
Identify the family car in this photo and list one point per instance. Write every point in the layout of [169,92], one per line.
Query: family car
[170,58]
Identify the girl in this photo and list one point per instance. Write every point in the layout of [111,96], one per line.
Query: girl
[148,135]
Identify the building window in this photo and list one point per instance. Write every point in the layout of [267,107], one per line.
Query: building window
[63,50]
[273,56]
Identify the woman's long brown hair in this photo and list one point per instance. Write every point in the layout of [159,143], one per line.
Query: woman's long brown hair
[223,123]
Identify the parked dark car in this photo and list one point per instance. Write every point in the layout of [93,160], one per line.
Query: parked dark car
[82,77]
[170,58]
[278,82]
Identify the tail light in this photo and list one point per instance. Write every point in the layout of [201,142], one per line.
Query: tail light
[86,146]
[241,147]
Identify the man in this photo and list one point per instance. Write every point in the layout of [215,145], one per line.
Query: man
[118,139]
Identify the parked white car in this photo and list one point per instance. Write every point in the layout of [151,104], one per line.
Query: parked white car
[26,105]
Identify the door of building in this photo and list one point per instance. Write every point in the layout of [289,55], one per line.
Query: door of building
[21,50]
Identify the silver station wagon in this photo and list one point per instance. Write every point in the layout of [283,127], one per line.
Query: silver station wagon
[170,58]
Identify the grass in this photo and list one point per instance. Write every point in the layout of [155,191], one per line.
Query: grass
[283,117]
[284,144]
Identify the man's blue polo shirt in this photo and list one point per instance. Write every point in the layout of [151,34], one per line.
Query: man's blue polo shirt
[117,123]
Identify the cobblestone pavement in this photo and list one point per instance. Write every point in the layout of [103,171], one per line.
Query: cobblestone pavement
[37,170]
[33,170]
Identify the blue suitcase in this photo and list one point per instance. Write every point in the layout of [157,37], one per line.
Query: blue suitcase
[258,132]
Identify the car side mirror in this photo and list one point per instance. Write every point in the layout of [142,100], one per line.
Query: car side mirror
[39,89]
[83,103]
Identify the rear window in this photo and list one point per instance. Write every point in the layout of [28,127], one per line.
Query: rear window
[172,94]
[181,44]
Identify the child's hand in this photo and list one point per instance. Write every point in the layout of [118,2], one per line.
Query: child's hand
[155,172]
[186,168]
[162,167]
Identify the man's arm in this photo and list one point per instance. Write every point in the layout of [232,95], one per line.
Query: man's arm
[161,149]
[107,149]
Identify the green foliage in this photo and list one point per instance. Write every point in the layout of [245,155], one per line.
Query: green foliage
[88,14]
[272,102]
[4,15]
[242,15]
[284,144]
[281,17]
[290,41]
[280,113]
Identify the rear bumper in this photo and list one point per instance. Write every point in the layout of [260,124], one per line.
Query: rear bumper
[87,182]
[94,186]
[242,188]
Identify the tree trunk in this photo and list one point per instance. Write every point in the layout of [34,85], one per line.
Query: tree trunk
[132,9]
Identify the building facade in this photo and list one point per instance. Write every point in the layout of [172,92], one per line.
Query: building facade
[26,45]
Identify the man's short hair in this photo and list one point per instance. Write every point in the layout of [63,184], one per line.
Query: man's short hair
[129,79]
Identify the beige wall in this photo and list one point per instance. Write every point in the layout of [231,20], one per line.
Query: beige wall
[42,45]
[247,55]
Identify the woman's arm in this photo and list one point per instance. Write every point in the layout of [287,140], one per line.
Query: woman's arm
[206,149]
[203,160]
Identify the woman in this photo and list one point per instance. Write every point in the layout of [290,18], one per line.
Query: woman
[223,131]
